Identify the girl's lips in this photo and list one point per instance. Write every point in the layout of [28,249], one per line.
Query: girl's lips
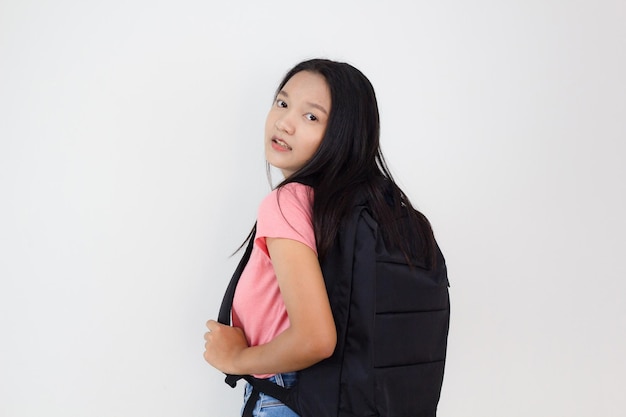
[280,144]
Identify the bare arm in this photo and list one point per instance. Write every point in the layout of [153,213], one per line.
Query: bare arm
[311,335]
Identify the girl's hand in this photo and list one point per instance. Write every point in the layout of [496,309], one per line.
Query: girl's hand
[223,345]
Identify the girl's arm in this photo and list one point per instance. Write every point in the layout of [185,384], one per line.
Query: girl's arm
[311,335]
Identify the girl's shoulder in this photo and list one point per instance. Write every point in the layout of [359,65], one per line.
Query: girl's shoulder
[287,212]
[289,194]
[292,202]
[295,188]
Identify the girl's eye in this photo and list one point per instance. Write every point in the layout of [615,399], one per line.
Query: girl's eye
[311,117]
[281,103]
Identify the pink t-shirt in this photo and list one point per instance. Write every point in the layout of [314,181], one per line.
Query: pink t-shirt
[258,307]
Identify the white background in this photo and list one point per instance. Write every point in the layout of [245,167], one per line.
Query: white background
[131,166]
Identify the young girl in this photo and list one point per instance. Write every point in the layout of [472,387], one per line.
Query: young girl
[323,131]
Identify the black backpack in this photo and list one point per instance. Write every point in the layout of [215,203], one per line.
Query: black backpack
[392,323]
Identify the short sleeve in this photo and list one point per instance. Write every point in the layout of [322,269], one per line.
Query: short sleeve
[287,213]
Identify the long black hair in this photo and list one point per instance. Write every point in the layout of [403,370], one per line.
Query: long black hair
[349,165]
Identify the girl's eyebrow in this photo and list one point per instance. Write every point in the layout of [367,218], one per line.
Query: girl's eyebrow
[317,106]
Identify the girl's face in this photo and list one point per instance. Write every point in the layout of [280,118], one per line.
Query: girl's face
[297,121]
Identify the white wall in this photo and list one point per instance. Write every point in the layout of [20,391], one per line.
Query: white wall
[131,166]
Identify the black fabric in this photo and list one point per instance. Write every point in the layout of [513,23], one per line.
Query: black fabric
[252,400]
[258,386]
[227,301]
[392,323]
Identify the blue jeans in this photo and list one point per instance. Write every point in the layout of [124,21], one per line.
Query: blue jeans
[268,406]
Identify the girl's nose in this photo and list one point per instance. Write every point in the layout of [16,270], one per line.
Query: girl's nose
[284,124]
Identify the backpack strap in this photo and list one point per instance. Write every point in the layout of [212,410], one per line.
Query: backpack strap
[227,302]
[223,316]
[262,386]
